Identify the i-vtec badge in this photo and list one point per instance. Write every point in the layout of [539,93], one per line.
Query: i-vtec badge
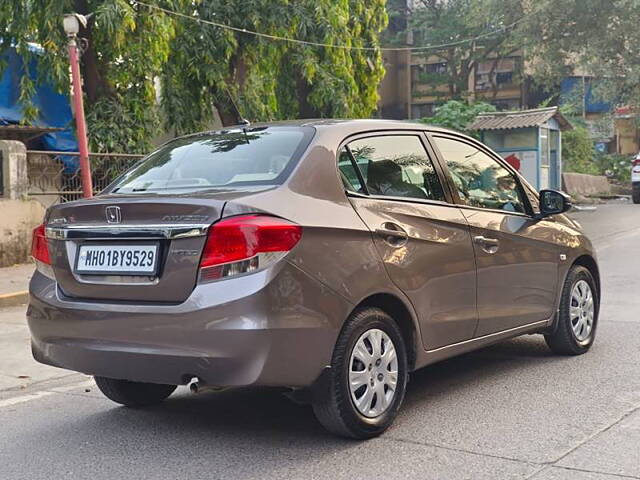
[113,214]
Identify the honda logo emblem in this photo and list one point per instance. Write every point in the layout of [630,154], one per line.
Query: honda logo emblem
[113,214]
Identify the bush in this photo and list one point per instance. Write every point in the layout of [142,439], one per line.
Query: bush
[578,152]
[615,167]
[458,115]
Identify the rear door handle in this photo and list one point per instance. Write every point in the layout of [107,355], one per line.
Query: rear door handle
[393,234]
[489,245]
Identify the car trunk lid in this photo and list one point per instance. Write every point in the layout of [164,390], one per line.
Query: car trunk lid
[173,227]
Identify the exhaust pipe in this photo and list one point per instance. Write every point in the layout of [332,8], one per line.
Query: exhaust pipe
[199,387]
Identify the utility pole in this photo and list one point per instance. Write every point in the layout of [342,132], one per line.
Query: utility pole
[72,27]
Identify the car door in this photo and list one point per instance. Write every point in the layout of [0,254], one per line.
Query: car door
[422,238]
[516,256]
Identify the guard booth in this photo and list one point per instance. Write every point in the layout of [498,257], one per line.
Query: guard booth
[530,140]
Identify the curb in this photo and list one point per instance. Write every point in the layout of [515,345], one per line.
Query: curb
[14,299]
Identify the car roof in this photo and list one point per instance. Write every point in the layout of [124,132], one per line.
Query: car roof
[365,124]
[350,125]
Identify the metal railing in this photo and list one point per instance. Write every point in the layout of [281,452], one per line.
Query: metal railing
[55,177]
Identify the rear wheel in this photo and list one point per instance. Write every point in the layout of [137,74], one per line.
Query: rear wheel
[577,316]
[133,394]
[360,395]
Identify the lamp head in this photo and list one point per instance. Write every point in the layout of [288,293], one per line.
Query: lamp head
[72,22]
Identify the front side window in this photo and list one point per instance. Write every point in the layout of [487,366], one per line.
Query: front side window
[396,166]
[239,156]
[479,179]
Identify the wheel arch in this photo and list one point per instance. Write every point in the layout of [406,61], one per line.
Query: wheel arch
[403,316]
[588,262]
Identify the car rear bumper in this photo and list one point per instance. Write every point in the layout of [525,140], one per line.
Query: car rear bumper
[279,331]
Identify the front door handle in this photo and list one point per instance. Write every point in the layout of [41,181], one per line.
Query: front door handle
[393,234]
[489,245]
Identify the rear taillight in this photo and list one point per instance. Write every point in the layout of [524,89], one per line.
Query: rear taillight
[39,247]
[245,244]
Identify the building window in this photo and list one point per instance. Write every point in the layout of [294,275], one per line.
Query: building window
[438,68]
[483,82]
[418,71]
[501,74]
[507,104]
[422,110]
[504,78]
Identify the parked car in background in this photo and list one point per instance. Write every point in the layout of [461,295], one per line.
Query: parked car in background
[635,179]
[329,257]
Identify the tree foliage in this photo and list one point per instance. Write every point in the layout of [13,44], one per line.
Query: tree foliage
[442,22]
[276,80]
[596,38]
[200,67]
[578,151]
[458,115]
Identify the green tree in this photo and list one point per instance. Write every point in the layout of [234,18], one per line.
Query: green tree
[449,22]
[275,80]
[599,38]
[458,115]
[200,67]
[127,46]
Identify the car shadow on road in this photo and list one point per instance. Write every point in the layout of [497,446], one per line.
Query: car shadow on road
[265,411]
[229,430]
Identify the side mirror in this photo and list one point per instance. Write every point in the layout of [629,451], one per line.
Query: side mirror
[553,202]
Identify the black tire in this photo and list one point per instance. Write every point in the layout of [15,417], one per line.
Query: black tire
[563,340]
[133,394]
[331,400]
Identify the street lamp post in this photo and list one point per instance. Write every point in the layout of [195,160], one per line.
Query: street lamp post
[72,27]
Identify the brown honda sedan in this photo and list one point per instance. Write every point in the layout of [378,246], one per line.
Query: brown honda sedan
[329,257]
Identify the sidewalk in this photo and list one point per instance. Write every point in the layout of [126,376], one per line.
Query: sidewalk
[18,369]
[14,284]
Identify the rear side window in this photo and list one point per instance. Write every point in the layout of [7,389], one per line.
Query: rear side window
[244,156]
[348,173]
[396,166]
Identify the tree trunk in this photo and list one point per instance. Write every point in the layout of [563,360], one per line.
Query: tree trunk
[228,116]
[94,83]
[305,109]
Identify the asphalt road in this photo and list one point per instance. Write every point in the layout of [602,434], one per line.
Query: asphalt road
[509,411]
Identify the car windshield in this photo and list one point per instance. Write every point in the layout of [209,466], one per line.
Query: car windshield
[243,156]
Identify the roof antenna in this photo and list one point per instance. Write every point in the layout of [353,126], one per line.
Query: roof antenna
[239,118]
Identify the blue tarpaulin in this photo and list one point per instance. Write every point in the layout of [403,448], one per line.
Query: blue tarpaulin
[54,108]
[571,86]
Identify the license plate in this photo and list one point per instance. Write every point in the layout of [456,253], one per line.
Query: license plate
[117,259]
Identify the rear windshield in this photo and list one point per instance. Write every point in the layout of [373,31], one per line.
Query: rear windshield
[243,156]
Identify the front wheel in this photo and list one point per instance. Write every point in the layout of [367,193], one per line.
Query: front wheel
[133,394]
[578,314]
[360,395]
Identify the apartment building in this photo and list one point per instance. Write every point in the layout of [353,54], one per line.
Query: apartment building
[415,84]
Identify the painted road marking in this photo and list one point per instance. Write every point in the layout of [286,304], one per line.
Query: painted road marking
[23,398]
[45,393]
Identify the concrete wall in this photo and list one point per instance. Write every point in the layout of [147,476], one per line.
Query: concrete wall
[18,214]
[18,218]
[582,184]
